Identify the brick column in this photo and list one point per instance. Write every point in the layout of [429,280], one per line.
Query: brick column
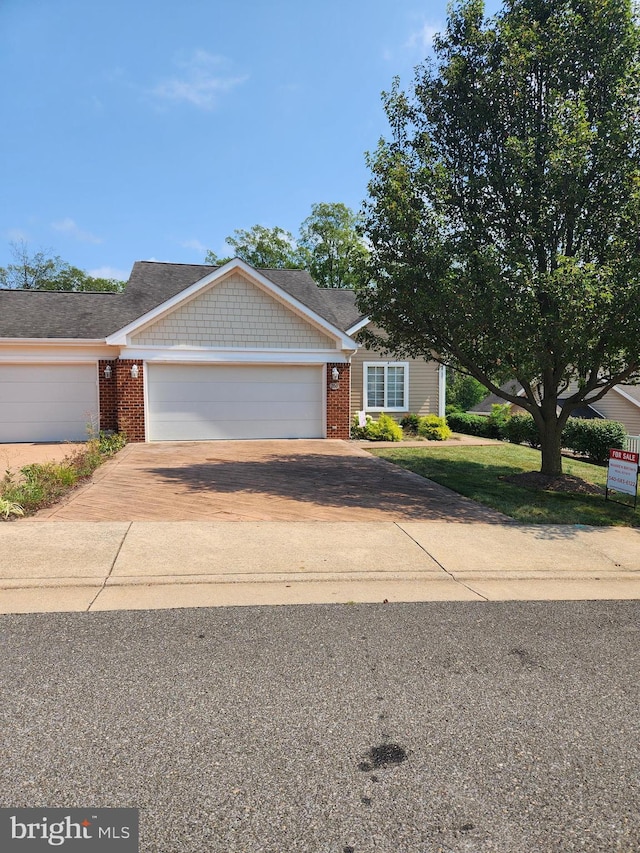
[108,396]
[338,401]
[130,399]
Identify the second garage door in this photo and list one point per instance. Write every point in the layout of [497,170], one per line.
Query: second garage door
[47,402]
[203,402]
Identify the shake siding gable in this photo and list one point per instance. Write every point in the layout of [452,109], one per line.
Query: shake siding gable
[233,313]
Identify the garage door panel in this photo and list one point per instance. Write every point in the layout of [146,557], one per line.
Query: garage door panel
[202,392]
[47,402]
[229,411]
[203,402]
[49,393]
[221,430]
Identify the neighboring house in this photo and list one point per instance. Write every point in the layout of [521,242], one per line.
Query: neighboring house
[621,404]
[191,353]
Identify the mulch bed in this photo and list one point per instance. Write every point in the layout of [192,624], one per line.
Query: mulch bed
[562,483]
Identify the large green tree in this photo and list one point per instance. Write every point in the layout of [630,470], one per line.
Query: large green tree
[43,271]
[328,246]
[330,243]
[263,248]
[504,212]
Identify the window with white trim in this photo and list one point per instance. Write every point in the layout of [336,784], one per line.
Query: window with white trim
[386,386]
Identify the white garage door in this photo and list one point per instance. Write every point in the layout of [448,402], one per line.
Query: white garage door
[202,402]
[47,402]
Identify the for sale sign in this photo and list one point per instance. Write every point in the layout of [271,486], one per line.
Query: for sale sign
[623,472]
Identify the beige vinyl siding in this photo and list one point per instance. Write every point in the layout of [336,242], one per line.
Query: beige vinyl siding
[615,407]
[234,312]
[423,382]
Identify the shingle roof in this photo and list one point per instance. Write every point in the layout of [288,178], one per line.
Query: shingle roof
[50,314]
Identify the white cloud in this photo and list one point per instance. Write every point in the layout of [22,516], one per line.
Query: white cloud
[194,244]
[109,272]
[71,229]
[201,83]
[17,235]
[422,39]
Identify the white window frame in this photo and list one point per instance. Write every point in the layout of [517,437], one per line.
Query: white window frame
[386,365]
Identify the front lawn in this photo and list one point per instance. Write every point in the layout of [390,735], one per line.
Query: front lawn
[479,472]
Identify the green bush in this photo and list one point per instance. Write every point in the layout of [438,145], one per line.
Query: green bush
[111,442]
[358,432]
[521,429]
[410,423]
[500,415]
[434,428]
[384,429]
[42,484]
[593,438]
[470,424]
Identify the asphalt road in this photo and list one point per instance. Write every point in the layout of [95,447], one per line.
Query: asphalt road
[333,729]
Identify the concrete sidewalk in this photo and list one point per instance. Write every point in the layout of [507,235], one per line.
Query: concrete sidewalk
[67,566]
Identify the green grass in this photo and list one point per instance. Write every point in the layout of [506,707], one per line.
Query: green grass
[476,471]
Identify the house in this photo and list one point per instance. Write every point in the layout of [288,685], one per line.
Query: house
[621,404]
[192,352]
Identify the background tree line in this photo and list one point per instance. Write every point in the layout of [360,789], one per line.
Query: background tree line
[42,270]
[328,245]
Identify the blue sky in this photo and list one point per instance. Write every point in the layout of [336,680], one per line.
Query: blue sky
[147,129]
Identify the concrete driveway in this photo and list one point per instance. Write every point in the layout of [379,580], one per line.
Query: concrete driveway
[306,480]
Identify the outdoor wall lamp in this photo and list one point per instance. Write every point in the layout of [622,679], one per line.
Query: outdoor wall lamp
[134,371]
[335,374]
[107,372]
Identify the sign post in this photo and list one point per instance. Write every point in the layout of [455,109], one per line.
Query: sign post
[622,474]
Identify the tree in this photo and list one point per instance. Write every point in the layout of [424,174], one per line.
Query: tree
[329,247]
[43,271]
[333,249]
[263,248]
[504,213]
[463,391]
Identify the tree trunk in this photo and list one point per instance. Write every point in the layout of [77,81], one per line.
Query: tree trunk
[551,447]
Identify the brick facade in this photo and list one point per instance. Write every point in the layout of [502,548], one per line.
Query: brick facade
[122,399]
[338,401]
[108,395]
[130,399]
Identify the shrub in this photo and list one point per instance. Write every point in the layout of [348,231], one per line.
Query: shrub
[111,442]
[358,432]
[470,424]
[593,438]
[8,508]
[384,429]
[434,428]
[521,429]
[43,484]
[410,423]
[500,415]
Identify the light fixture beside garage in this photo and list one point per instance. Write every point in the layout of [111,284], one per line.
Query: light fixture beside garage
[335,374]
[107,372]
[134,371]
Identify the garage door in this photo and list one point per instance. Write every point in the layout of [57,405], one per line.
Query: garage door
[202,402]
[47,402]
